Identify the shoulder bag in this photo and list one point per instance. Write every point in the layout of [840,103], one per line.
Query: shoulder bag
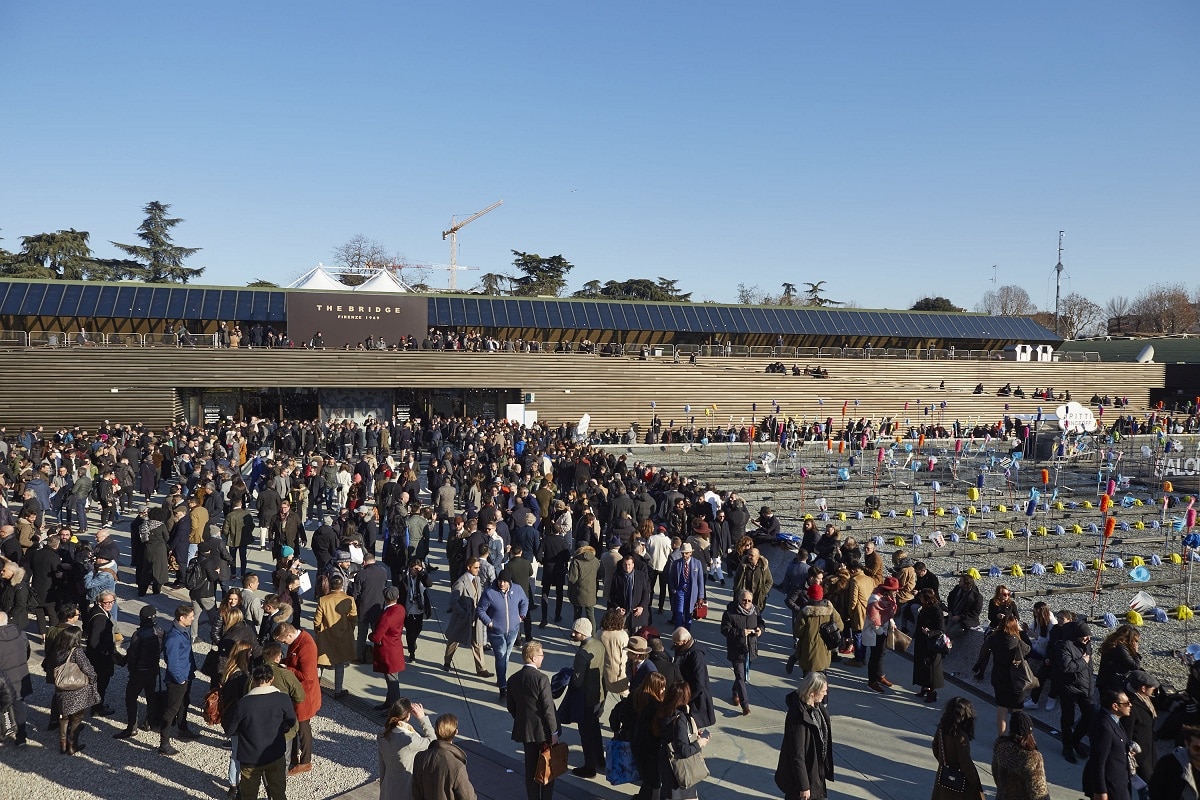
[898,640]
[950,778]
[691,770]
[68,677]
[1024,681]
[212,707]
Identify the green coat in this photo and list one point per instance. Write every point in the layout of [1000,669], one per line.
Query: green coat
[589,672]
[583,578]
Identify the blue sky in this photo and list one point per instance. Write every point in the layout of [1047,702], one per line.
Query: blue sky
[893,150]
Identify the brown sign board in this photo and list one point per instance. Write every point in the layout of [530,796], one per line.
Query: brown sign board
[350,317]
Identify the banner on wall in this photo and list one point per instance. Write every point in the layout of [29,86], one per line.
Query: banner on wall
[347,318]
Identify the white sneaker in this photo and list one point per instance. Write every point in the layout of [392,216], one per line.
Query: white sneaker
[1030,704]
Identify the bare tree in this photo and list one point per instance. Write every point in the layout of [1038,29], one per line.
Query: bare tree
[1117,309]
[1164,308]
[751,295]
[1006,301]
[1079,316]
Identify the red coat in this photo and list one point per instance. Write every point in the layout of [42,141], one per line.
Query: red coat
[302,660]
[388,638]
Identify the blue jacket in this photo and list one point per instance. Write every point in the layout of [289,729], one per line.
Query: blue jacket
[505,609]
[177,652]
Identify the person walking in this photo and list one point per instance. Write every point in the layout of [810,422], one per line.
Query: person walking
[141,659]
[806,756]
[685,578]
[1008,662]
[1017,767]
[440,772]
[387,653]
[502,609]
[952,749]
[367,591]
[260,720]
[301,659]
[742,624]
[630,590]
[334,626]
[1106,775]
[692,662]
[881,611]
[811,652]
[680,737]
[465,627]
[1072,678]
[414,588]
[535,723]
[398,746]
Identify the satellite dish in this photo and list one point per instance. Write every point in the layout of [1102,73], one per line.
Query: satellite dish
[1146,356]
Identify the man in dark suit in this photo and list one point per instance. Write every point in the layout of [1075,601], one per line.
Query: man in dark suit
[1107,775]
[534,722]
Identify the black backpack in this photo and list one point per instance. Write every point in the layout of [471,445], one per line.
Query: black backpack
[195,578]
[831,635]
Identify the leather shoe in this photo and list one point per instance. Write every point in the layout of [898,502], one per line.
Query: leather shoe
[168,751]
[1083,749]
[445,666]
[874,686]
[299,769]
[584,772]
[790,665]
[381,707]
[483,673]
[745,709]
[883,681]
[1069,755]
[125,734]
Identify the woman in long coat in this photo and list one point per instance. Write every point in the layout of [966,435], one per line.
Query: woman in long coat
[464,627]
[806,755]
[153,570]
[72,705]
[952,748]
[927,662]
[678,737]
[1008,656]
[398,745]
[643,742]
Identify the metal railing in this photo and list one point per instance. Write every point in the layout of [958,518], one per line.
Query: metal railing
[63,339]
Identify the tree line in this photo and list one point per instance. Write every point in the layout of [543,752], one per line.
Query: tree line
[67,255]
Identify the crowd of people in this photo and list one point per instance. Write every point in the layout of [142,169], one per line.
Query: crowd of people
[528,518]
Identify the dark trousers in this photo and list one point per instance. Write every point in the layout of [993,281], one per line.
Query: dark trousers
[659,579]
[558,603]
[1072,732]
[412,629]
[140,682]
[274,775]
[741,667]
[177,705]
[592,739]
[302,744]
[104,671]
[239,553]
[44,613]
[875,660]
[533,789]
[81,514]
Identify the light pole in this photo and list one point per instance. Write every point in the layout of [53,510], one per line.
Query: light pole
[1058,270]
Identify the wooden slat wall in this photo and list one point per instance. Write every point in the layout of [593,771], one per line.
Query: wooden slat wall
[73,387]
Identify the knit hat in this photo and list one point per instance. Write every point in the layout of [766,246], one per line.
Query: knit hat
[583,626]
[815,592]
[341,555]
[287,552]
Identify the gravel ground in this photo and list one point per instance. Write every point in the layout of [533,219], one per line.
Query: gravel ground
[343,755]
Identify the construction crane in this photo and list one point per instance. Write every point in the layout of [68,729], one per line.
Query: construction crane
[455,227]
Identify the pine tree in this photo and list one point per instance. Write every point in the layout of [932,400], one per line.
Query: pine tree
[162,260]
